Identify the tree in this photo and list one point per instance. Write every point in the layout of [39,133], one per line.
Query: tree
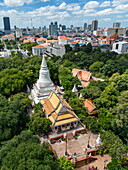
[113,145]
[25,152]
[108,97]
[65,164]
[68,48]
[77,47]
[13,116]
[38,123]
[89,48]
[120,125]
[77,105]
[91,92]
[69,81]
[95,67]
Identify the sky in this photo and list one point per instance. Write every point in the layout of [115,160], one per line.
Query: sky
[27,13]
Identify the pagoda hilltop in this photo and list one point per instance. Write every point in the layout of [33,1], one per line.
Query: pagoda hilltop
[44,85]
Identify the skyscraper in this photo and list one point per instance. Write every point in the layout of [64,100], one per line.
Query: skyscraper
[85,26]
[7,28]
[94,25]
[53,28]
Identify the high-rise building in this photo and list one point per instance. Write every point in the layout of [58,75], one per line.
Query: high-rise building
[116,25]
[7,28]
[53,29]
[89,27]
[85,27]
[94,25]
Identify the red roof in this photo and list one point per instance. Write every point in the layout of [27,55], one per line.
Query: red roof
[38,46]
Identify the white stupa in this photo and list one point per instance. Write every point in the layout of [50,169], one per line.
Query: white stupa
[98,140]
[44,85]
[74,89]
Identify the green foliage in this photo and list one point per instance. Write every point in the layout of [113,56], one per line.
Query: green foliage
[65,164]
[113,145]
[77,105]
[108,97]
[120,124]
[91,92]
[25,152]
[13,115]
[69,81]
[95,67]
[91,123]
[114,165]
[68,48]
[38,123]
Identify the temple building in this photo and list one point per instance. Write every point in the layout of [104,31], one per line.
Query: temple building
[90,107]
[44,85]
[60,114]
[84,76]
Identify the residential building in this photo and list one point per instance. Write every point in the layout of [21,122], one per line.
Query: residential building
[94,25]
[7,28]
[64,40]
[8,37]
[116,25]
[44,85]
[19,33]
[120,47]
[38,50]
[56,50]
[119,31]
[41,40]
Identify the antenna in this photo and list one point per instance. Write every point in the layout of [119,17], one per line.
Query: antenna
[31,23]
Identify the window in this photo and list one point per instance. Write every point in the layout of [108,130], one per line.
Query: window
[117,45]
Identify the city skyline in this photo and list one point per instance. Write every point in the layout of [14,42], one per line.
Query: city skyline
[27,13]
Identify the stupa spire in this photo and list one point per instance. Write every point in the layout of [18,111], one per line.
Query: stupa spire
[44,64]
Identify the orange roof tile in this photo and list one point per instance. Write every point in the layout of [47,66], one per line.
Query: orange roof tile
[26,41]
[89,105]
[74,72]
[58,110]
[73,42]
[85,84]
[10,35]
[65,38]
[84,75]
[38,46]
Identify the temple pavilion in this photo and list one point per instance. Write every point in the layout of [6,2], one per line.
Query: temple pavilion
[44,85]
[60,114]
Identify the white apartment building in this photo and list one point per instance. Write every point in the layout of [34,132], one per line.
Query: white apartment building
[19,33]
[120,47]
[56,50]
[38,50]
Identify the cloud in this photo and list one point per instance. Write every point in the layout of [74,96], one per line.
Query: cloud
[105,19]
[119,2]
[1,4]
[45,0]
[62,6]
[105,12]
[69,7]
[91,5]
[15,3]
[105,4]
[122,7]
